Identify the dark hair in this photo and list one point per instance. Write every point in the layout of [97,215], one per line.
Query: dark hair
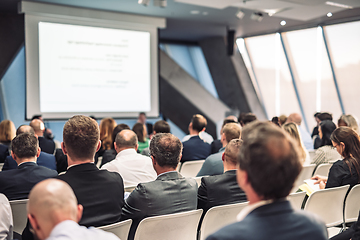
[161,127]
[24,128]
[36,117]
[275,120]
[351,151]
[139,128]
[142,113]
[325,116]
[317,114]
[130,140]
[232,131]
[226,121]
[118,129]
[270,158]
[327,127]
[198,122]
[166,149]
[25,145]
[81,136]
[247,118]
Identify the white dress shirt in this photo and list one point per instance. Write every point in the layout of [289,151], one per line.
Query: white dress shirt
[134,168]
[203,135]
[68,230]
[6,220]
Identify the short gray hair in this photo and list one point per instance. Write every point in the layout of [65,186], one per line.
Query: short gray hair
[166,149]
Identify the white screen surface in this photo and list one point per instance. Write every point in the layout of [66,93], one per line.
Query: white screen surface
[93,69]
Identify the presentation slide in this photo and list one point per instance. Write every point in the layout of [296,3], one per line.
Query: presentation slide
[93,69]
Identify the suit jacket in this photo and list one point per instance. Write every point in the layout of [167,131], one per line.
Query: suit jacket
[4,152]
[46,145]
[278,221]
[16,184]
[169,193]
[216,145]
[45,160]
[195,149]
[219,190]
[61,161]
[213,165]
[108,156]
[100,192]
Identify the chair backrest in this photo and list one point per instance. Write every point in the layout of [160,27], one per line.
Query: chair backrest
[352,205]
[297,199]
[120,229]
[323,169]
[1,166]
[312,154]
[19,213]
[328,204]
[191,168]
[218,217]
[305,173]
[177,226]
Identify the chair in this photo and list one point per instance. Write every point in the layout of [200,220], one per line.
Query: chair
[218,217]
[297,199]
[120,229]
[323,169]
[328,204]
[1,166]
[305,173]
[177,226]
[191,168]
[352,205]
[19,213]
[312,154]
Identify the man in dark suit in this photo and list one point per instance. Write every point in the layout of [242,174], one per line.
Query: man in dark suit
[268,166]
[16,184]
[169,193]
[45,159]
[195,148]
[46,145]
[222,189]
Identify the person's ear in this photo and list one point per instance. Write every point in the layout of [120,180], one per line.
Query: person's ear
[223,157]
[136,147]
[80,209]
[115,147]
[63,148]
[153,160]
[35,226]
[13,155]
[38,152]
[98,146]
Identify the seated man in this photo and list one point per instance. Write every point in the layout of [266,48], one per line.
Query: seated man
[160,126]
[222,189]
[213,164]
[45,159]
[17,183]
[216,145]
[59,219]
[169,193]
[132,166]
[6,221]
[46,145]
[195,148]
[268,166]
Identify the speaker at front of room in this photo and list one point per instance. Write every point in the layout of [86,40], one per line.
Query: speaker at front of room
[230,42]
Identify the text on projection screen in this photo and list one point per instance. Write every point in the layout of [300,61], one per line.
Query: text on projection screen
[93,69]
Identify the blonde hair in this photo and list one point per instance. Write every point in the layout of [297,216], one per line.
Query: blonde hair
[350,122]
[293,131]
[107,126]
[7,131]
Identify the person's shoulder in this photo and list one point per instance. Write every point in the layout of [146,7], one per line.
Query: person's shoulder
[232,232]
[46,155]
[46,170]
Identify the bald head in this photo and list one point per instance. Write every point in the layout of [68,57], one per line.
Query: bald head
[38,127]
[126,139]
[295,118]
[25,129]
[51,202]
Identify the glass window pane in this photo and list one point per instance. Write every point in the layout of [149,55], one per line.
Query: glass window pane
[312,72]
[343,42]
[272,74]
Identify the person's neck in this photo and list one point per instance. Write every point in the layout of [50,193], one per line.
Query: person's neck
[74,162]
[228,167]
[194,132]
[164,170]
[25,160]
[39,134]
[224,143]
[124,148]
[252,197]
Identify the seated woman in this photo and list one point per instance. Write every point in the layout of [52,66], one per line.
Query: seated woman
[292,129]
[140,131]
[326,152]
[7,133]
[348,121]
[346,171]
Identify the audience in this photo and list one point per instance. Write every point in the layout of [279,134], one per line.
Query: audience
[17,183]
[7,133]
[292,129]
[315,131]
[169,193]
[46,145]
[45,159]
[202,134]
[246,118]
[133,167]
[222,189]
[47,133]
[213,164]
[110,154]
[268,165]
[195,148]
[148,126]
[305,136]
[140,132]
[216,145]
[54,213]
[6,220]
[346,171]
[348,121]
[326,152]
[160,126]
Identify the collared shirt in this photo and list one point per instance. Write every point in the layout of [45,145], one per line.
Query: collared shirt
[78,164]
[6,220]
[68,230]
[134,168]
[203,135]
[251,207]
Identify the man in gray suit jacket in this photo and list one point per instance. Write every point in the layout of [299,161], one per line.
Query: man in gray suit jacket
[169,193]
[268,166]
